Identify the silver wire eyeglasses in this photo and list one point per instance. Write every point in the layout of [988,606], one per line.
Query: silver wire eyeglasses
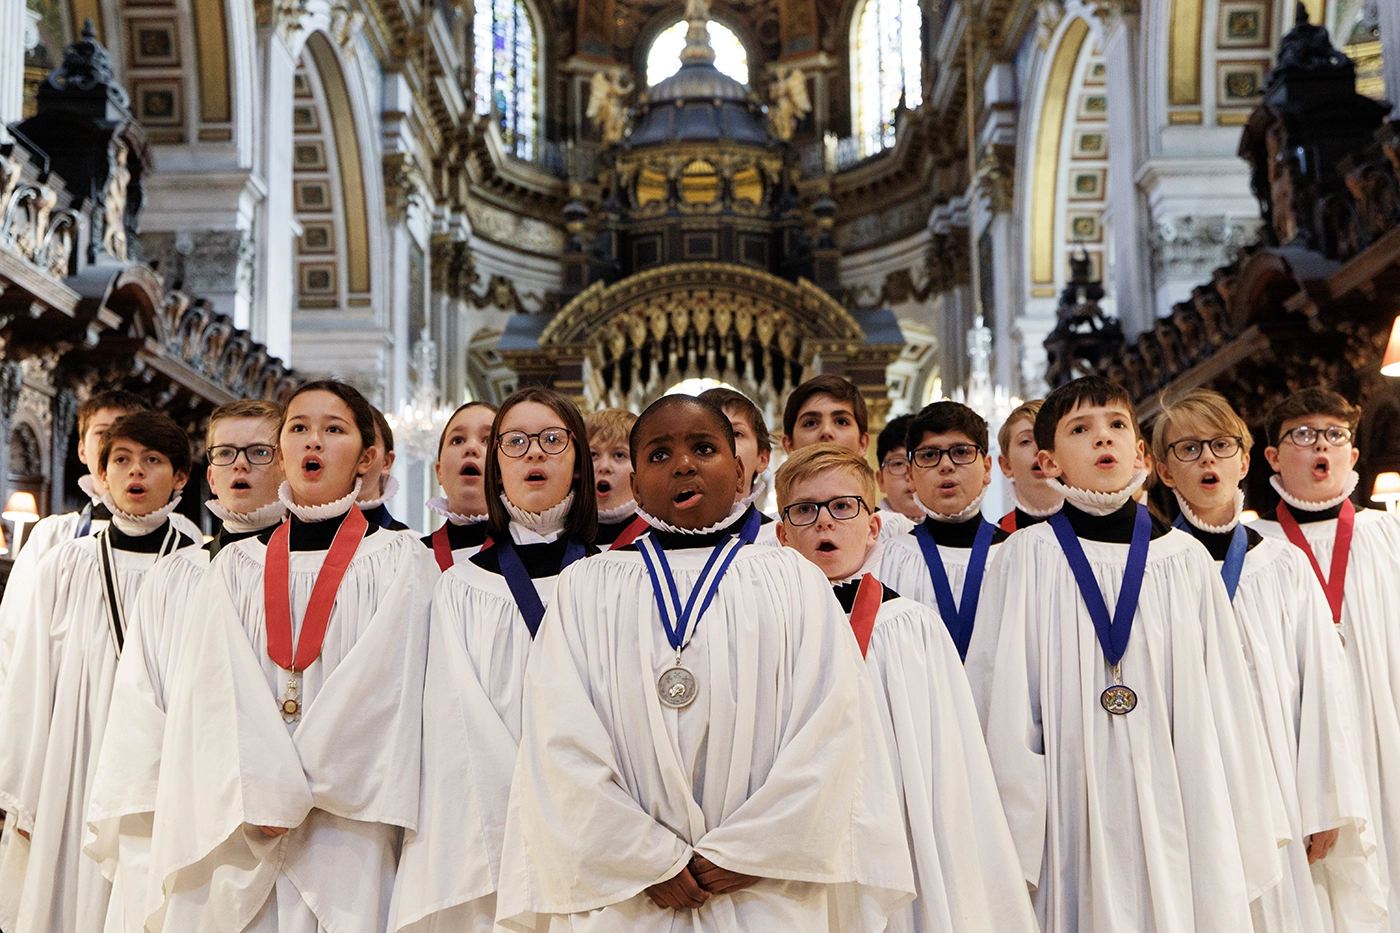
[926,458]
[225,454]
[841,508]
[516,444]
[1305,436]
[1189,449]
[897,466]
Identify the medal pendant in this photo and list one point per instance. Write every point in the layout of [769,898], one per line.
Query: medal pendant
[677,688]
[290,704]
[1118,700]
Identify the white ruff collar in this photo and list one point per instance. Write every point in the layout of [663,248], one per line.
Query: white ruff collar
[1195,520]
[734,515]
[239,522]
[1104,503]
[1016,502]
[613,516]
[438,504]
[391,489]
[134,526]
[972,509]
[1295,503]
[318,513]
[89,488]
[538,527]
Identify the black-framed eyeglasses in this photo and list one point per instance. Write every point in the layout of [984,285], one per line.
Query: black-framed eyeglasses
[841,508]
[1305,436]
[516,444]
[224,455]
[926,458]
[1189,449]
[897,466]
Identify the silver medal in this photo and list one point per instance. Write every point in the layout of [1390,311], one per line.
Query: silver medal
[677,688]
[1118,699]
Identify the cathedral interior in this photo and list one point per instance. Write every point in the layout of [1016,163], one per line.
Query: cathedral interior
[203,200]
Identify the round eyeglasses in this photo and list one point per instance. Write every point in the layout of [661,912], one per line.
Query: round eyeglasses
[516,444]
[1305,436]
[897,466]
[225,454]
[1189,449]
[842,508]
[926,458]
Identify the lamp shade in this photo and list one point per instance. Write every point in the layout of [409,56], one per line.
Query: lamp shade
[21,508]
[1249,515]
[1386,488]
[1390,364]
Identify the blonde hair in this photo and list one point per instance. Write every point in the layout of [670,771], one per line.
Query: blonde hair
[1025,411]
[609,427]
[1198,407]
[244,408]
[810,462]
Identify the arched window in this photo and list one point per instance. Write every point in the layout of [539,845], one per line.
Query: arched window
[507,66]
[887,56]
[664,56]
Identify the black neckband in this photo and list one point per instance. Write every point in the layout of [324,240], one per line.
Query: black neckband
[960,534]
[312,536]
[540,560]
[1114,528]
[148,543]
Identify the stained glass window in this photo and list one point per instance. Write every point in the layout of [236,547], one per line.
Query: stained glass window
[664,56]
[888,53]
[507,61]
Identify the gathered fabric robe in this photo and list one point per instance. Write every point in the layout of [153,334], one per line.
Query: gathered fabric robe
[965,864]
[337,778]
[1370,629]
[903,569]
[778,769]
[1165,820]
[53,716]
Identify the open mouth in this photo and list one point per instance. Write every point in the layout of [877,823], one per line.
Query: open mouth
[1107,460]
[948,486]
[604,487]
[1036,471]
[1321,468]
[1209,481]
[241,484]
[535,476]
[136,489]
[469,469]
[685,497]
[826,547]
[311,466]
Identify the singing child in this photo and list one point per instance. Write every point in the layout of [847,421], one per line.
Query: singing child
[943,563]
[1035,497]
[608,431]
[893,475]
[700,746]
[1116,701]
[486,614]
[965,865]
[244,476]
[378,486]
[754,447]
[461,473]
[1300,676]
[294,722]
[1355,556]
[55,704]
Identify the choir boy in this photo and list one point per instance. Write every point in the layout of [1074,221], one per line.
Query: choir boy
[379,486]
[608,431]
[700,748]
[1201,447]
[1116,701]
[893,475]
[55,704]
[755,450]
[1036,497]
[944,562]
[244,476]
[461,473]
[284,789]
[965,866]
[1355,556]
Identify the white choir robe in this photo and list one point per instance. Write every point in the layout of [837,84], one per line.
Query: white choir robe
[903,569]
[54,712]
[122,809]
[1165,820]
[477,650]
[894,524]
[966,870]
[344,778]
[1301,680]
[1370,631]
[778,769]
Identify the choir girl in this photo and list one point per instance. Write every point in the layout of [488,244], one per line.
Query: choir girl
[461,474]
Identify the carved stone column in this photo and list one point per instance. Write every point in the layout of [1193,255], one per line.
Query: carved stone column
[64,408]
[12,31]
[274,290]
[11,378]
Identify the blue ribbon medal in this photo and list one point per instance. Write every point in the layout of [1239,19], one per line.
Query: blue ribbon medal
[1233,564]
[1113,632]
[677,686]
[522,588]
[957,618]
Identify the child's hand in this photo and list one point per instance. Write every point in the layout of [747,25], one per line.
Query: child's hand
[1319,844]
[718,880]
[680,892]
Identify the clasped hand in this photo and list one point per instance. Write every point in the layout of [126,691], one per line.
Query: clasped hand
[695,883]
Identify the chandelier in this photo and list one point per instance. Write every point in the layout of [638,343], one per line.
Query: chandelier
[418,423]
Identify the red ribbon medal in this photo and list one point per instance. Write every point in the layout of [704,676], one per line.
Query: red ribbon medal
[631,533]
[442,549]
[277,602]
[869,595]
[1334,584]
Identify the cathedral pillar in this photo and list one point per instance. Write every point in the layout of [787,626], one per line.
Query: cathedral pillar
[274,233]
[13,28]
[1127,216]
[1390,53]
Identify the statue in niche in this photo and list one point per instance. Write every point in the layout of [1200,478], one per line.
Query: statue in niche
[607,103]
[114,206]
[791,102]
